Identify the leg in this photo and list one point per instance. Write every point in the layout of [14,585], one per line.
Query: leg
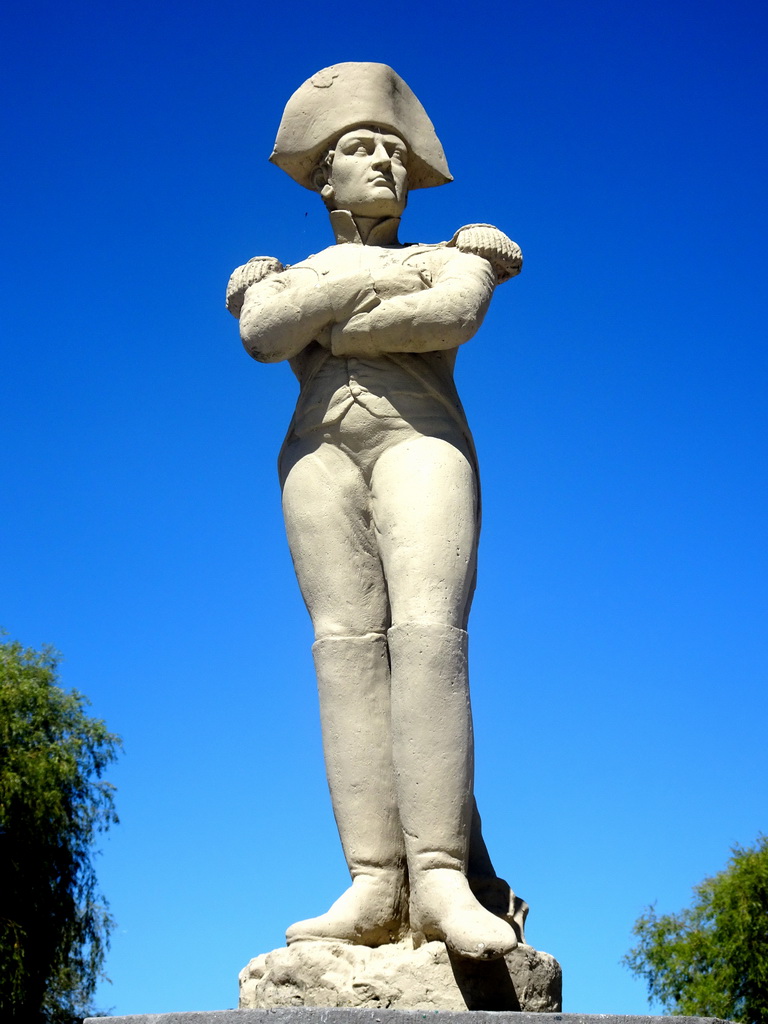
[425,499]
[327,514]
[328,520]
[425,507]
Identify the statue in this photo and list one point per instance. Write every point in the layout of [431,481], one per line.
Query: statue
[382,509]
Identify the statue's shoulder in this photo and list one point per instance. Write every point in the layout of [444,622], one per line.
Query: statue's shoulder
[262,267]
[242,278]
[485,240]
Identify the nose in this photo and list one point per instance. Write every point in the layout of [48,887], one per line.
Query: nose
[381,159]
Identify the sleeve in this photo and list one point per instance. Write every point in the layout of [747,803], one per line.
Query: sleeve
[242,278]
[283,313]
[442,316]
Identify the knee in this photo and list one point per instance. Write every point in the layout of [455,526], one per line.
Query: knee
[432,602]
[347,617]
[336,629]
[453,620]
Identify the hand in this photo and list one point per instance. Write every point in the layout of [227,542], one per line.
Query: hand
[393,279]
[353,338]
[351,294]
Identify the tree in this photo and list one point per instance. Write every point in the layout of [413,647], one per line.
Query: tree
[54,926]
[712,959]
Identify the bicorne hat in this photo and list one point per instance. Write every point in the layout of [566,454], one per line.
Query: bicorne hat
[346,96]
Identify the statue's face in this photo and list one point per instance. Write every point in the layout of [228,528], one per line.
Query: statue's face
[368,173]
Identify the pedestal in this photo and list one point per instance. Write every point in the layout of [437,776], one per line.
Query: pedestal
[304,1015]
[399,977]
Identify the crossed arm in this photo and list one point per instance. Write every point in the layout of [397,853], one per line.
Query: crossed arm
[394,309]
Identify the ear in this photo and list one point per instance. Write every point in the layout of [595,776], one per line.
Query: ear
[319,178]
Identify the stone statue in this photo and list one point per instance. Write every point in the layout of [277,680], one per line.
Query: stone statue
[382,509]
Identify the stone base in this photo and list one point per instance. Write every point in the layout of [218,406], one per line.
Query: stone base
[302,1015]
[399,977]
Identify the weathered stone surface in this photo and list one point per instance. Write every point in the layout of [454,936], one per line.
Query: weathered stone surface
[305,1015]
[396,976]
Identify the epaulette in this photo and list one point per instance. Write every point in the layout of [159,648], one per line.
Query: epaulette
[252,272]
[485,240]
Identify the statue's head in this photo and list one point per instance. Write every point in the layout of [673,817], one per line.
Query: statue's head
[356,134]
[365,173]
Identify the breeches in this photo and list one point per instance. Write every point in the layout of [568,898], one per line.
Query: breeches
[382,521]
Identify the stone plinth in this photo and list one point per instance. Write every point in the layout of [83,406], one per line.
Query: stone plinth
[397,976]
[304,1015]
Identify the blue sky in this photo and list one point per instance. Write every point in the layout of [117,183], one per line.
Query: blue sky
[617,396]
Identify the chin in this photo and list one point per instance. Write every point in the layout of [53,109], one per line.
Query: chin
[379,208]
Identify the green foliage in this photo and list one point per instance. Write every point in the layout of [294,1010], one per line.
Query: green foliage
[54,927]
[712,959]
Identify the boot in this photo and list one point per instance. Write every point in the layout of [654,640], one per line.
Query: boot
[489,890]
[353,685]
[434,766]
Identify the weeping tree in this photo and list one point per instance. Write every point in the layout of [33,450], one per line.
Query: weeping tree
[54,925]
[711,959]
